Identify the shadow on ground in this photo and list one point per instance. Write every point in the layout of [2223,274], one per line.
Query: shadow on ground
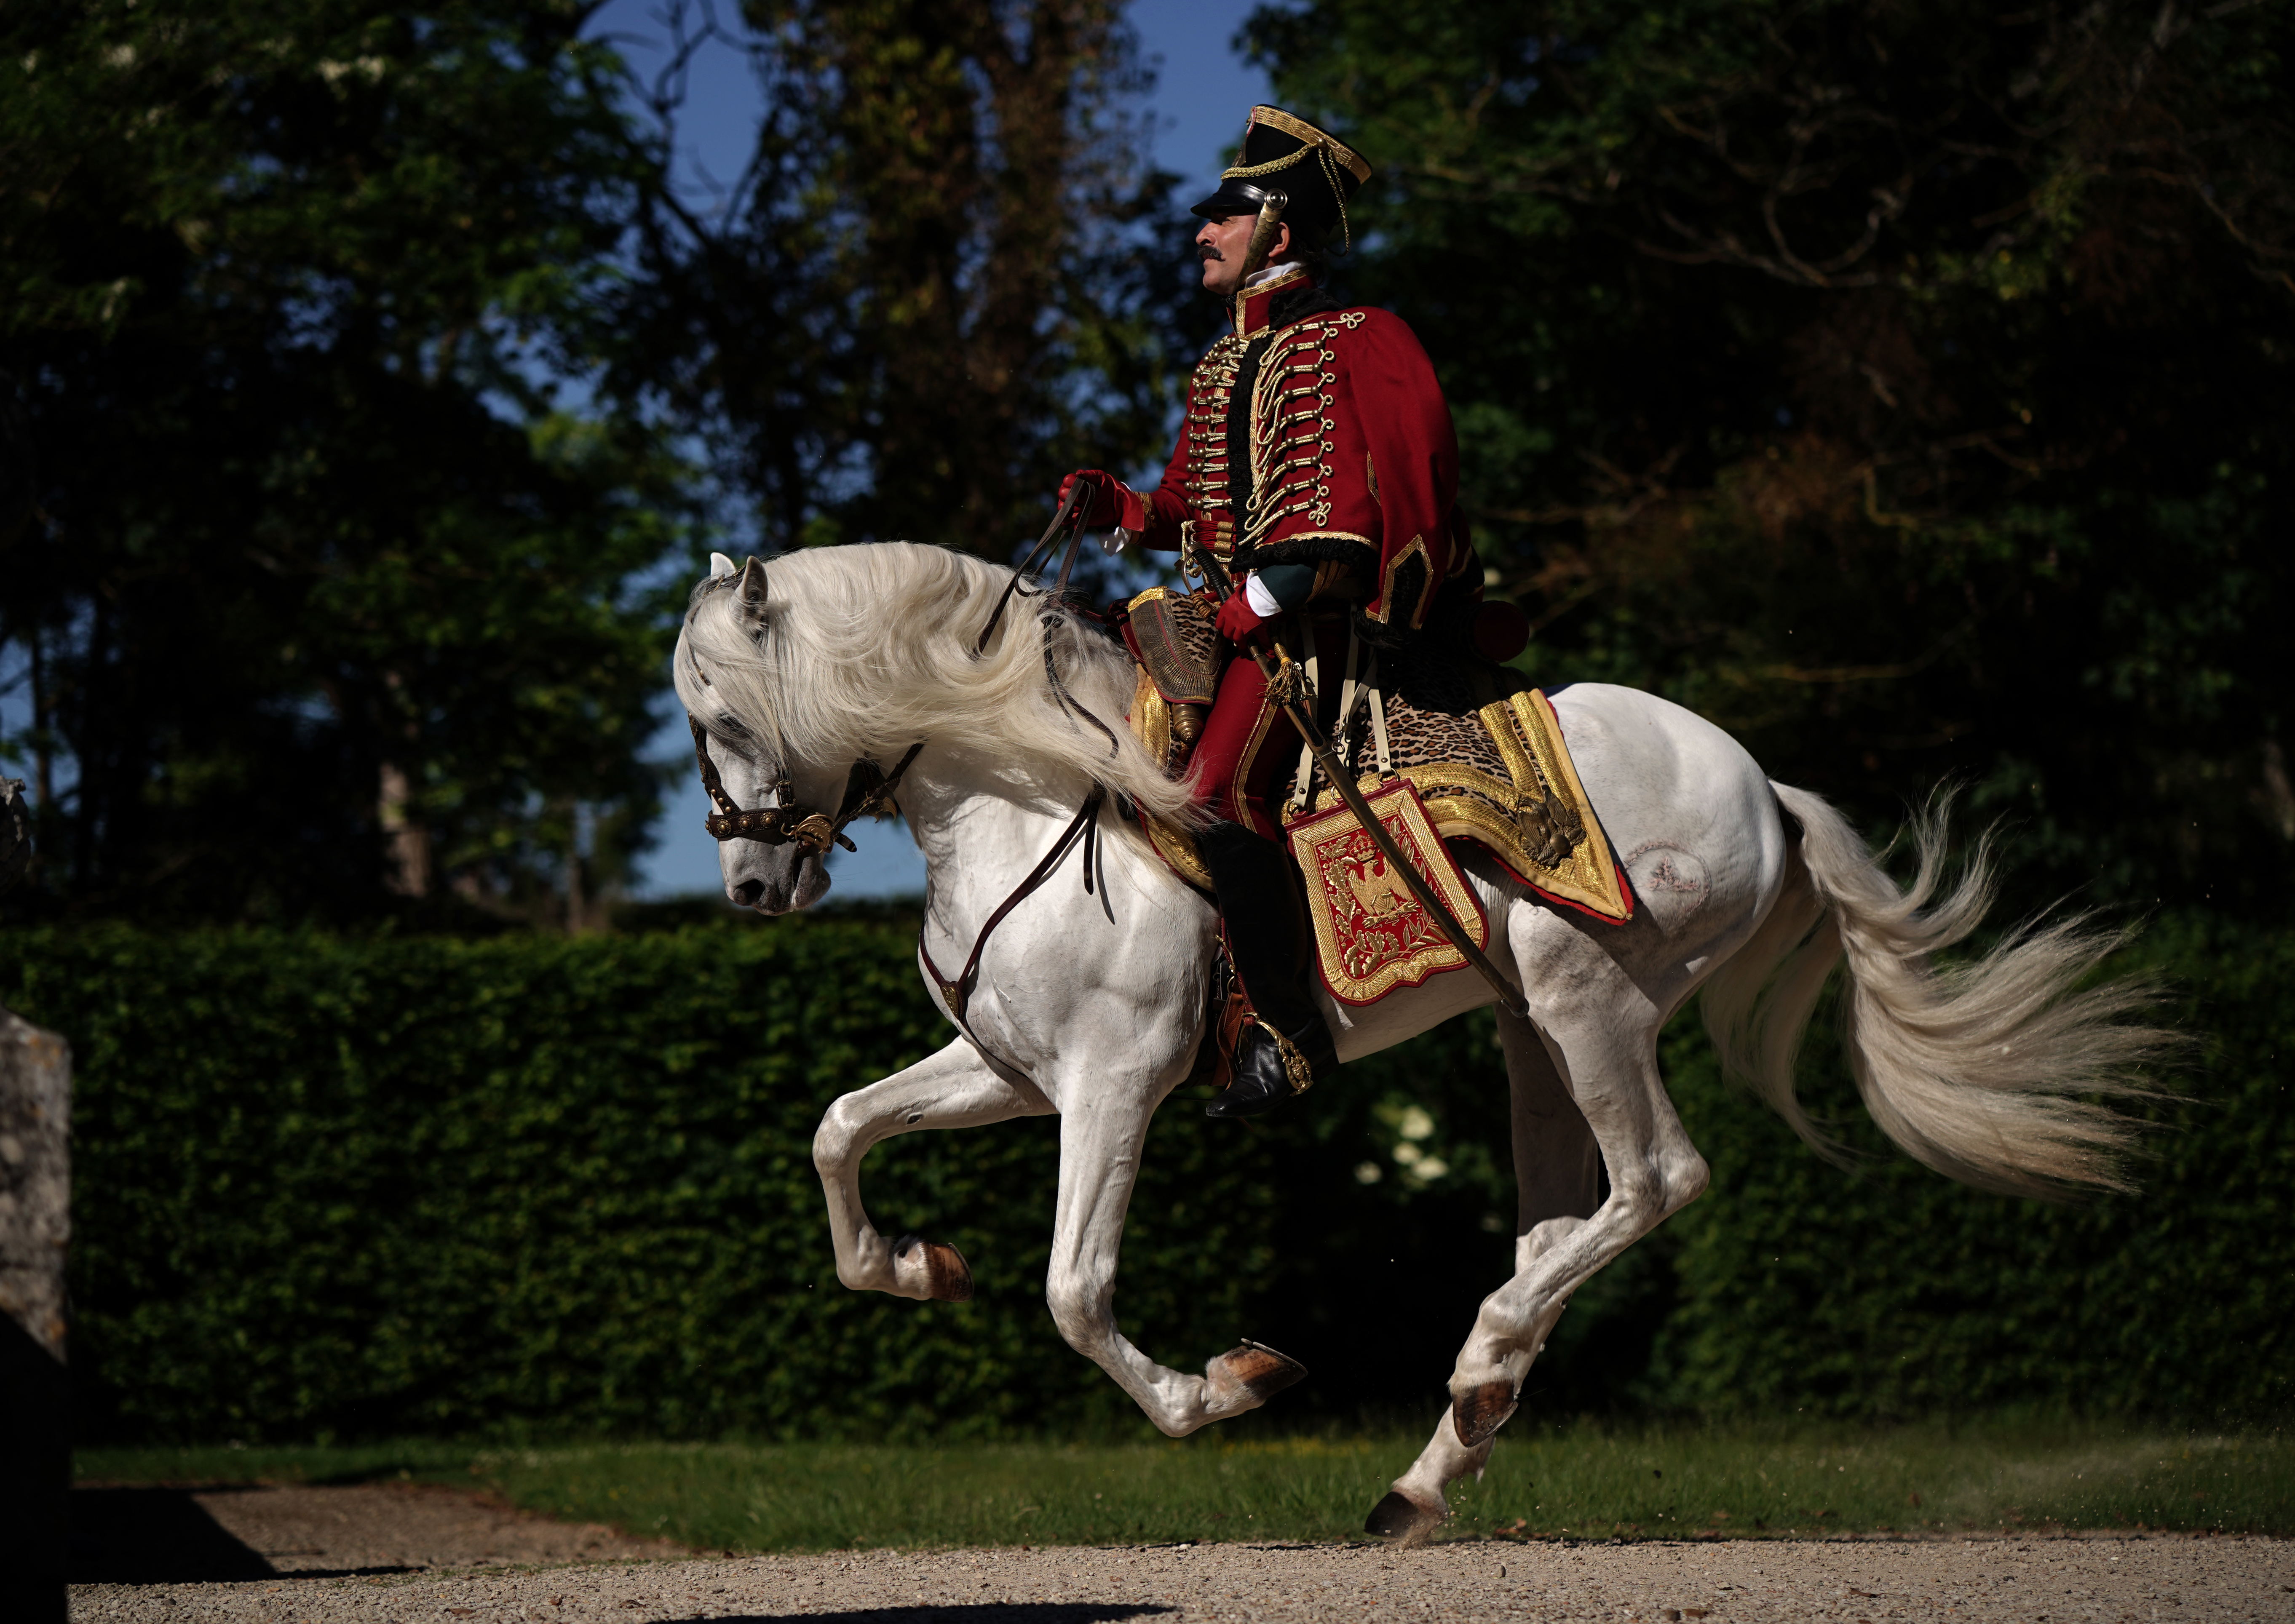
[166,1537]
[154,1537]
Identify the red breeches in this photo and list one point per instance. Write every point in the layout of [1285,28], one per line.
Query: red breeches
[1244,746]
[1248,749]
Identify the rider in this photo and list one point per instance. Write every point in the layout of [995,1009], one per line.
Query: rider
[1317,463]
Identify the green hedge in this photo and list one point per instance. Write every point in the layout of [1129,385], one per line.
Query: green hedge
[330,1188]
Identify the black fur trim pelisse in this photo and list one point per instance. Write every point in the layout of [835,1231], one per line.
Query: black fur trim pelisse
[1310,550]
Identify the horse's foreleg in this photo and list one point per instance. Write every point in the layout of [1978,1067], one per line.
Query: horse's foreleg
[1099,1161]
[952,1088]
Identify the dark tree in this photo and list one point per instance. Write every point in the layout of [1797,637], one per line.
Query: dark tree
[324,598]
[1905,388]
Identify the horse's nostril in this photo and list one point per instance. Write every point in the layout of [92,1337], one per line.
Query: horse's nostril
[748,891]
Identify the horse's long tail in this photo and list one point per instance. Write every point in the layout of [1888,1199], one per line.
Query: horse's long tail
[1965,1066]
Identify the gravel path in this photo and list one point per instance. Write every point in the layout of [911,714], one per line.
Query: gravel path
[2027,1582]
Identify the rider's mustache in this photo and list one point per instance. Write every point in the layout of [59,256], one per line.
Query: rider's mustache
[1207,253]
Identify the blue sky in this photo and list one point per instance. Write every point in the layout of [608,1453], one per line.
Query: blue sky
[1203,87]
[1203,91]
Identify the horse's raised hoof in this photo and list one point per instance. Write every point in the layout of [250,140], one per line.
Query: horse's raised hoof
[1477,1416]
[1255,1371]
[948,1277]
[1399,1517]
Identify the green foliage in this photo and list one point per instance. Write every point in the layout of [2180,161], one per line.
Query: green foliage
[525,1188]
[326,592]
[1798,1477]
[1906,389]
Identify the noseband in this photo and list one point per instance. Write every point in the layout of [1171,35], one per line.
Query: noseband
[868,793]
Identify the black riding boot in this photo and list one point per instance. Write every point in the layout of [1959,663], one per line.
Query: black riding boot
[1287,1047]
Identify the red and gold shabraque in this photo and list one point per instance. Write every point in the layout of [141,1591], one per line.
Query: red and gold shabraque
[1371,934]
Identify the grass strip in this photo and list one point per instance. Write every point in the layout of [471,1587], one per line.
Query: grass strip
[1581,1482]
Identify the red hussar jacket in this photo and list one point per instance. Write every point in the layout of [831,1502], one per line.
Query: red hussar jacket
[1317,435]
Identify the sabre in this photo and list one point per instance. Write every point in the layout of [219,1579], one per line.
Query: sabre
[1283,684]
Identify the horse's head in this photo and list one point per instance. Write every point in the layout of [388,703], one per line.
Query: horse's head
[722,679]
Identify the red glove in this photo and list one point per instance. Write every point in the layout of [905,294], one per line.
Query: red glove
[1238,619]
[1102,502]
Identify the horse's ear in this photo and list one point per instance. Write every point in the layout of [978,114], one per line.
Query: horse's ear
[751,588]
[719,567]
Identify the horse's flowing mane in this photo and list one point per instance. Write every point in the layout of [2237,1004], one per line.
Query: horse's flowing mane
[867,648]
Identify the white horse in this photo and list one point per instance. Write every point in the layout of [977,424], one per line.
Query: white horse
[1092,998]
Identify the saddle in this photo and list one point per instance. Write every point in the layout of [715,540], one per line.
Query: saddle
[1448,749]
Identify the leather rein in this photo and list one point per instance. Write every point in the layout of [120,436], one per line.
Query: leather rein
[1070,517]
[957,994]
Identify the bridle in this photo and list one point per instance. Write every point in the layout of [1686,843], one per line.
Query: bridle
[868,793]
[869,789]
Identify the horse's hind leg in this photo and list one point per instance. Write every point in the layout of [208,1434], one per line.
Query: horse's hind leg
[1557,1167]
[1608,1068]
[952,1088]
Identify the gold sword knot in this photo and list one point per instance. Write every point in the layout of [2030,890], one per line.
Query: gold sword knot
[1288,685]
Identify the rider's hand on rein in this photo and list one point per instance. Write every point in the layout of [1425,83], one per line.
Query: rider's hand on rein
[1102,502]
